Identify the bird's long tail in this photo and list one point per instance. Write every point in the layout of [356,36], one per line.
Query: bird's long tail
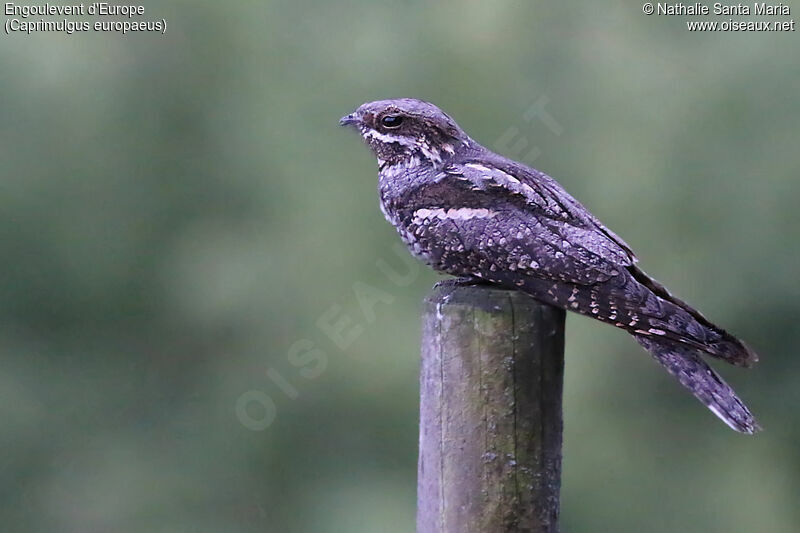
[692,372]
[674,333]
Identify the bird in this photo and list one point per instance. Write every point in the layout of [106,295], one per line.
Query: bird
[486,219]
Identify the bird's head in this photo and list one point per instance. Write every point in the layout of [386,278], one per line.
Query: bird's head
[406,130]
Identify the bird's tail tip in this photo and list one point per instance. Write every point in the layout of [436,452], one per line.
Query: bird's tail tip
[740,420]
[707,386]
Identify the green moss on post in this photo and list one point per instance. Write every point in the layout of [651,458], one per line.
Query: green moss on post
[490,414]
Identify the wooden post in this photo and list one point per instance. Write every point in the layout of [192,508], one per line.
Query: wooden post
[490,414]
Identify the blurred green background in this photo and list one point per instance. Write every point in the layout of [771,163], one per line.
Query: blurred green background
[178,211]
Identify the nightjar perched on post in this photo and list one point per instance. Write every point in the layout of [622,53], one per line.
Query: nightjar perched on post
[469,212]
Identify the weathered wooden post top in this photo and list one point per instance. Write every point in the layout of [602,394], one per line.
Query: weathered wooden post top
[490,414]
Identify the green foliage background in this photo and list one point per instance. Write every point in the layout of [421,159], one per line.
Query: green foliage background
[177,211]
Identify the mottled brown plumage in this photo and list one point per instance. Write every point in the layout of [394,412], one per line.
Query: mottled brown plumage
[469,212]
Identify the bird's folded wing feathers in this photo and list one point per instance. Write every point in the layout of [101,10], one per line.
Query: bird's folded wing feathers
[561,221]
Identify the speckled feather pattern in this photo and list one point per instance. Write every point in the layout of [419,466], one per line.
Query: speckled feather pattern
[469,212]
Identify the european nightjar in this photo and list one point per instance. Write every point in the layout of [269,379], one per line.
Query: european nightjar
[469,212]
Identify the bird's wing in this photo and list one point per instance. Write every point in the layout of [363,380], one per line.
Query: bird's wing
[546,198]
[540,222]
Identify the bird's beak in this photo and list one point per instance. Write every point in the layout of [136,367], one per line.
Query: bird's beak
[348,120]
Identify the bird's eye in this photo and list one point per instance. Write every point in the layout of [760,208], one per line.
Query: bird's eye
[391,121]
